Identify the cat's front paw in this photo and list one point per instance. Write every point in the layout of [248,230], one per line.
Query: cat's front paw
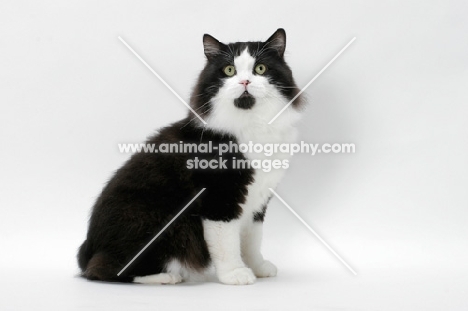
[265,269]
[239,276]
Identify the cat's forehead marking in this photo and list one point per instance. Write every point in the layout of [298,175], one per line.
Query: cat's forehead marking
[244,62]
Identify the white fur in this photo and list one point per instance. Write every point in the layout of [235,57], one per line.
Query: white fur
[176,267]
[235,245]
[161,278]
[223,240]
[251,241]
[175,272]
[173,275]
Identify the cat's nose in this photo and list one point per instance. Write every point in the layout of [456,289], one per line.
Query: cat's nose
[244,82]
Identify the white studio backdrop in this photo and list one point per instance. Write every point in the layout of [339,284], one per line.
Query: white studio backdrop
[396,210]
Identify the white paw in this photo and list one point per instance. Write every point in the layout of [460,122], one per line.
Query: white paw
[239,276]
[265,269]
[172,279]
[161,278]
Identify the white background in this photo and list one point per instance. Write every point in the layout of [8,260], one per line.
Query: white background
[396,210]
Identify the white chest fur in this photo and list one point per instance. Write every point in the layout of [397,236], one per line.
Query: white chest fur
[258,191]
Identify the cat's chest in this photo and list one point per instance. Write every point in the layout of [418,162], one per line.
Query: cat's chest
[266,136]
[259,190]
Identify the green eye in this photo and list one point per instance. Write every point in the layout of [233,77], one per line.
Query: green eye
[229,70]
[260,69]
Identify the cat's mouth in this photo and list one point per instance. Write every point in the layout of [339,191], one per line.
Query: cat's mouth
[245,101]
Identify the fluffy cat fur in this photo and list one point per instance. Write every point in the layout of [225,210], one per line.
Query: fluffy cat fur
[223,227]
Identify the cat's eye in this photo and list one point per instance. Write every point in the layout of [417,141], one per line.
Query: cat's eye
[260,69]
[229,70]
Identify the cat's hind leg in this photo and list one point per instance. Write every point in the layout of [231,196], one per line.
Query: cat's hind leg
[172,275]
[161,278]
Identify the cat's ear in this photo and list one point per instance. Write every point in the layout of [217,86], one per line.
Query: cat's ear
[277,41]
[211,46]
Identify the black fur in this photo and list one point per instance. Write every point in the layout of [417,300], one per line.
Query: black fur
[260,216]
[245,101]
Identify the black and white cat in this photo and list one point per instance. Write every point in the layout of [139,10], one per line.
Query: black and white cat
[242,87]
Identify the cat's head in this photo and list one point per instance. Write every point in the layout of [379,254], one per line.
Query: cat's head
[245,84]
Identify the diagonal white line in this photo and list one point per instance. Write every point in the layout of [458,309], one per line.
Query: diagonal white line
[313,79]
[161,79]
[159,233]
[314,233]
